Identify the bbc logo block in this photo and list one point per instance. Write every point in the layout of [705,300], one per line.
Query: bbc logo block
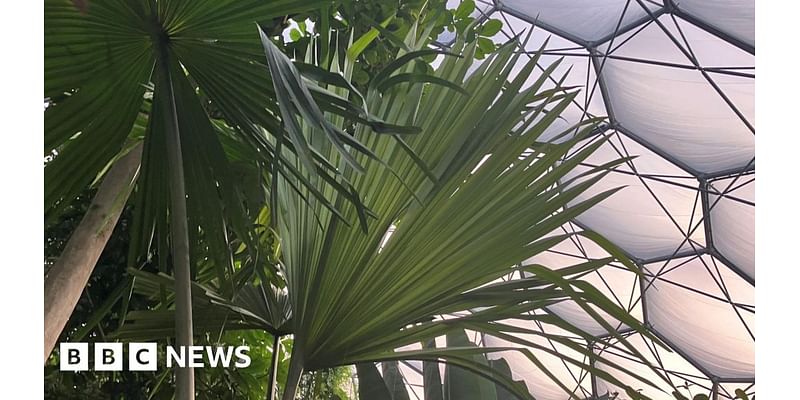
[142,356]
[74,356]
[108,356]
[145,357]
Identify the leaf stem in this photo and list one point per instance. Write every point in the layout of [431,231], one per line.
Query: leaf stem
[179,230]
[273,369]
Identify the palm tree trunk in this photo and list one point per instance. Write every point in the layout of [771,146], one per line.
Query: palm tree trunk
[295,371]
[66,280]
[273,369]
[179,231]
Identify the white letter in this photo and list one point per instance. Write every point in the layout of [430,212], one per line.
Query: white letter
[74,356]
[219,355]
[173,355]
[196,358]
[241,354]
[108,356]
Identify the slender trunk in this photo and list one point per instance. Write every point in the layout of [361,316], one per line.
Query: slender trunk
[295,371]
[179,231]
[66,280]
[273,369]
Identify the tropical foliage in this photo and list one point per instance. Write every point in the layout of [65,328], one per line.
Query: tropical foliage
[292,197]
[466,201]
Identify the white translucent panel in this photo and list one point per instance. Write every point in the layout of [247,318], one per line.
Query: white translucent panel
[437,61]
[618,284]
[671,370]
[575,61]
[523,369]
[411,370]
[656,210]
[654,43]
[446,37]
[732,205]
[677,111]
[674,107]
[705,310]
[412,376]
[588,20]
[733,17]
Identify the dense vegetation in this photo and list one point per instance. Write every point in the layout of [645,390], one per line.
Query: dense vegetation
[107,297]
[270,147]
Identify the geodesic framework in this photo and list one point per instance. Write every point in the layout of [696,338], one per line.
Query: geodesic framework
[676,79]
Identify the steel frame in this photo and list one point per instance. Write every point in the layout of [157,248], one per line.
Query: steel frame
[703,178]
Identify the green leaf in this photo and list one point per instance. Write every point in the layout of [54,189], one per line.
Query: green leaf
[491,27]
[465,9]
[365,40]
[295,35]
[419,78]
[462,384]
[502,366]
[103,310]
[485,45]
[402,61]
[370,384]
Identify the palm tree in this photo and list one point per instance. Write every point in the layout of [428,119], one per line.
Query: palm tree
[74,266]
[184,83]
[452,211]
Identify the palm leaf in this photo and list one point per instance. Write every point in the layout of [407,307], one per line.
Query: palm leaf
[496,195]
[98,86]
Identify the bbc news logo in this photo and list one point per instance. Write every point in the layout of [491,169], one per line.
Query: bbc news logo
[144,356]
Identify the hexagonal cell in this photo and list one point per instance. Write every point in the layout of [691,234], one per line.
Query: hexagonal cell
[706,311]
[731,202]
[656,92]
[658,211]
